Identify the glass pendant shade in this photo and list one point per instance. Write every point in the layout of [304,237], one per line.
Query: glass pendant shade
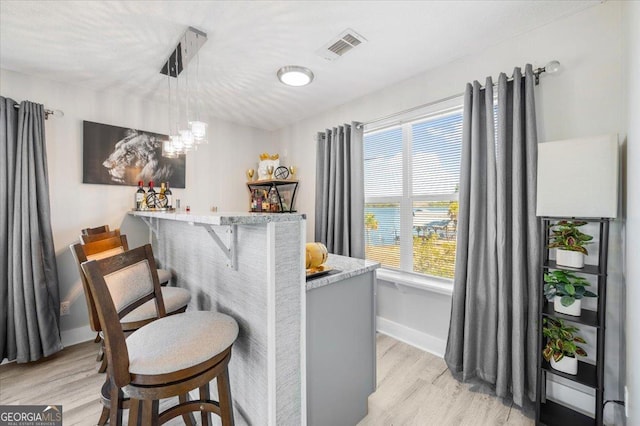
[199,130]
[186,137]
[178,146]
[168,150]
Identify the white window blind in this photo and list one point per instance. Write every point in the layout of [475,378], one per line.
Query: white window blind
[411,194]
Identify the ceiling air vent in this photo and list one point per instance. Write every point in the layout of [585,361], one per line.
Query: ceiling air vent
[341,45]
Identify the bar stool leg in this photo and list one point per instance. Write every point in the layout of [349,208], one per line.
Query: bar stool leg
[224,397]
[204,396]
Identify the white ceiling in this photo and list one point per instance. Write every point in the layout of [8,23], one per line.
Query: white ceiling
[121,45]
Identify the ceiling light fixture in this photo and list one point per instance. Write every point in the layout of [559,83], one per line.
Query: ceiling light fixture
[187,133]
[294,75]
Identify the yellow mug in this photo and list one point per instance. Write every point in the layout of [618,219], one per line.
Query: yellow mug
[316,254]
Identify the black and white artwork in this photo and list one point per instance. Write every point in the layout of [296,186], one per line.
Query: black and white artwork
[120,156]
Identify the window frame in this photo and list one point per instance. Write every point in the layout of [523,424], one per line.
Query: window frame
[405,274]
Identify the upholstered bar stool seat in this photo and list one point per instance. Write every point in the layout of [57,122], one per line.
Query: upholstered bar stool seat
[175,300]
[179,342]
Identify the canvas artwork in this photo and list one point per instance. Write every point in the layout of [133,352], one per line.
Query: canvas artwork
[121,156]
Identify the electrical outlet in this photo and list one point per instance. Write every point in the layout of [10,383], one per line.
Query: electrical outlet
[65,307]
[626,401]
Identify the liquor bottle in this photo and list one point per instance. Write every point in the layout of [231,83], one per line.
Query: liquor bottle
[169,195]
[258,198]
[265,202]
[139,196]
[151,196]
[275,203]
[162,199]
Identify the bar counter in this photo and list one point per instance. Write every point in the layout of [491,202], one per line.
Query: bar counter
[251,266]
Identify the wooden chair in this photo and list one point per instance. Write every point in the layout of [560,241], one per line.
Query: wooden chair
[93,235]
[167,357]
[96,230]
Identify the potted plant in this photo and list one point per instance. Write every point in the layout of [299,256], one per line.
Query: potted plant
[561,349]
[566,291]
[570,242]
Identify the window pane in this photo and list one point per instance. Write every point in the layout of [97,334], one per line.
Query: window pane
[382,233]
[434,237]
[383,163]
[436,154]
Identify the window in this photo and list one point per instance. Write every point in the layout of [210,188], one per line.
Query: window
[411,174]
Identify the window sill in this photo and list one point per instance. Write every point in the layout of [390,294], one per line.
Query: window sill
[432,284]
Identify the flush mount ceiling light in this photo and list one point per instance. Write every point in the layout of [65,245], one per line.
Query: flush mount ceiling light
[293,75]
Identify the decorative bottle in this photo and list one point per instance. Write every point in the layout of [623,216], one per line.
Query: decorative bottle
[258,198]
[274,200]
[169,196]
[139,196]
[151,196]
[266,207]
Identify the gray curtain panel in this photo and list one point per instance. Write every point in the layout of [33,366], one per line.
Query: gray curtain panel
[339,221]
[29,298]
[492,335]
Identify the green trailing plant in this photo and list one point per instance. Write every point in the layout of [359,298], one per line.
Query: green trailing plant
[561,340]
[569,287]
[565,235]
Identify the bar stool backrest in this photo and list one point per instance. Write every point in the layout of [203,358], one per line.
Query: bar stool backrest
[96,230]
[94,251]
[119,284]
[91,238]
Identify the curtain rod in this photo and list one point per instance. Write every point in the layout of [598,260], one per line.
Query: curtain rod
[552,66]
[47,112]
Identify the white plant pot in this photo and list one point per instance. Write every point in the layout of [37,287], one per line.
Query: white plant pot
[572,259]
[566,365]
[573,309]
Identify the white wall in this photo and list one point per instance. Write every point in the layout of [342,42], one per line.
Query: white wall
[632,265]
[214,177]
[585,98]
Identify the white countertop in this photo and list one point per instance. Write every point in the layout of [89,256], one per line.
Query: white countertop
[347,266]
[223,218]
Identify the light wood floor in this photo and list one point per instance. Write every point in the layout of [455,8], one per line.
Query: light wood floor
[414,388]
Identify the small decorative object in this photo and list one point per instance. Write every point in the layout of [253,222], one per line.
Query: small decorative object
[316,254]
[270,172]
[250,174]
[566,291]
[267,160]
[561,349]
[281,172]
[570,242]
[293,171]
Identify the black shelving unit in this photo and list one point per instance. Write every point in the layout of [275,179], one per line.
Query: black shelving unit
[550,412]
[291,186]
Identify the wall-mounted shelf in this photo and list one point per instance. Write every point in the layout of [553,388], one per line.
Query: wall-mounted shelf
[285,190]
[553,412]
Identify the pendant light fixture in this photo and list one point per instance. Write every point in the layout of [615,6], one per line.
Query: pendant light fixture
[187,132]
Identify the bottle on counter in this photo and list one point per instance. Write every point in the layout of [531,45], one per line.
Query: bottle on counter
[139,196]
[151,196]
[169,195]
[266,206]
[162,198]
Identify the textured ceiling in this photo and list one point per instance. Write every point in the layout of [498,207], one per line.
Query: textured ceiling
[121,45]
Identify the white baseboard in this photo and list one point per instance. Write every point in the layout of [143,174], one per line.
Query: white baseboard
[411,336]
[77,335]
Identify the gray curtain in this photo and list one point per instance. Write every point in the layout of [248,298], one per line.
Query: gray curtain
[29,299]
[493,330]
[339,221]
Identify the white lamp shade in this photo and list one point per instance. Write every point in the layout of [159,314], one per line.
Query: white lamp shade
[578,177]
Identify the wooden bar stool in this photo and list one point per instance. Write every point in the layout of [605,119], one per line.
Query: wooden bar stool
[167,357]
[91,235]
[176,299]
